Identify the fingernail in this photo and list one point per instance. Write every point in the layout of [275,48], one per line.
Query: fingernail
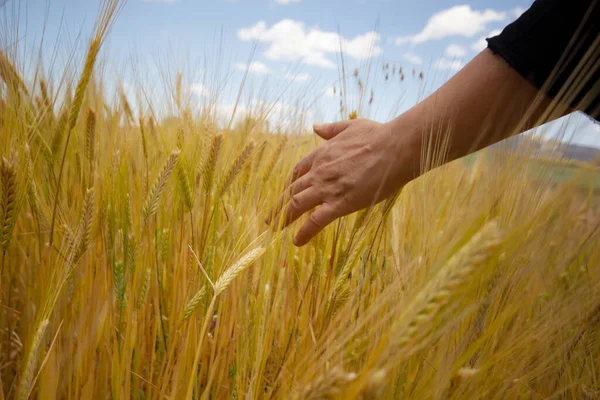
[318,126]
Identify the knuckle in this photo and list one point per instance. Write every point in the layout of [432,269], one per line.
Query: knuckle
[295,202]
[320,171]
[314,220]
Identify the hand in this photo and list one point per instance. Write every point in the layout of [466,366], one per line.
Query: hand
[362,163]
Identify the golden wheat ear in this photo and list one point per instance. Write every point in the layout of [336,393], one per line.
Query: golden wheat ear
[193,304]
[31,364]
[151,204]
[185,185]
[208,170]
[109,10]
[236,167]
[8,178]
[230,274]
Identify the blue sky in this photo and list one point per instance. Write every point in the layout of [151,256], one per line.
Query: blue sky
[294,46]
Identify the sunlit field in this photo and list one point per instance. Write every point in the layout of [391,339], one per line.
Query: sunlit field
[136,262]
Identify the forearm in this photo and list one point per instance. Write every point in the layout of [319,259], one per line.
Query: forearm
[485,102]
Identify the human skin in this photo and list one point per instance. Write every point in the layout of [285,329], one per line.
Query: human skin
[363,162]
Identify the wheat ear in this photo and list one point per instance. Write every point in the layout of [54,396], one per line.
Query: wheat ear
[8,176]
[109,10]
[28,373]
[329,385]
[90,135]
[194,302]
[9,74]
[45,95]
[151,203]
[411,331]
[119,282]
[85,225]
[32,196]
[236,167]
[232,272]
[208,171]
[447,282]
[185,186]
[274,159]
[145,286]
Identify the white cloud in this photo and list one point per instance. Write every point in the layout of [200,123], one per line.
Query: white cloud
[298,77]
[199,89]
[255,66]
[455,21]
[413,58]
[481,44]
[455,50]
[445,64]
[289,40]
[277,113]
[330,92]
[286,2]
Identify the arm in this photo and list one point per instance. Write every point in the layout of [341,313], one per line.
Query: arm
[363,162]
[485,102]
[551,51]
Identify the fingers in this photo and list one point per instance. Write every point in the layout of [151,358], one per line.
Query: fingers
[296,187]
[318,220]
[301,203]
[328,131]
[303,166]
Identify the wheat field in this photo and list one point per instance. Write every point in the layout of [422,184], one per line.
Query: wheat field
[136,263]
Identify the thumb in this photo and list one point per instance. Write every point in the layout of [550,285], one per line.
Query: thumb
[329,131]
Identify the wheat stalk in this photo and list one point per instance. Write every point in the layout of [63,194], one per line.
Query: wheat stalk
[31,363]
[151,204]
[232,272]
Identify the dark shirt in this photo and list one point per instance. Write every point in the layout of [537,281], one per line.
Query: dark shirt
[555,45]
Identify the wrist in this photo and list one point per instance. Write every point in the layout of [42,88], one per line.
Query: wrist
[407,131]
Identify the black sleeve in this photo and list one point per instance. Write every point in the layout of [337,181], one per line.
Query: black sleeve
[555,45]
